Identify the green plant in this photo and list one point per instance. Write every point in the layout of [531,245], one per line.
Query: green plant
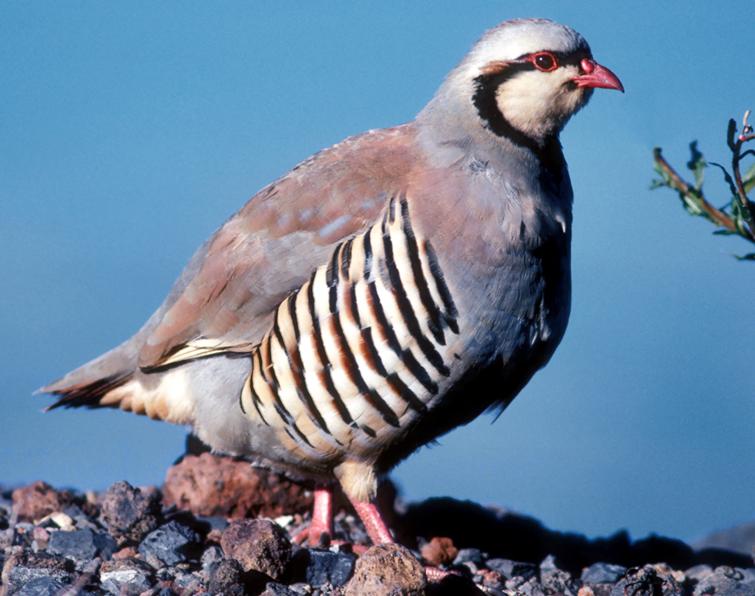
[737,216]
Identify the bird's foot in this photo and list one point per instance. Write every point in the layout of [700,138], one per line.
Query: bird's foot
[320,531]
[314,536]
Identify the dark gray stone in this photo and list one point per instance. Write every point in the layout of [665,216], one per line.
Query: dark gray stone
[227,577]
[276,589]
[193,583]
[603,573]
[557,581]
[328,568]
[105,544]
[646,581]
[127,576]
[548,564]
[25,567]
[522,587]
[81,545]
[41,586]
[210,557]
[509,568]
[6,538]
[726,580]
[169,544]
[748,575]
[698,572]
[469,555]
[129,513]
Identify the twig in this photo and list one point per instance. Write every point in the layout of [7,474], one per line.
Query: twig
[678,184]
[748,207]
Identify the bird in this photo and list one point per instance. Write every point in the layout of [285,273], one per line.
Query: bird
[383,292]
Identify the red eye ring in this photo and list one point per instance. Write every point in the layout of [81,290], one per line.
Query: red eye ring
[544,61]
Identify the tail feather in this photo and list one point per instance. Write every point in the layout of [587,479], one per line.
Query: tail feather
[114,381]
[88,385]
[88,396]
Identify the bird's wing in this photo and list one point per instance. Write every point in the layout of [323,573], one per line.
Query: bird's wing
[225,298]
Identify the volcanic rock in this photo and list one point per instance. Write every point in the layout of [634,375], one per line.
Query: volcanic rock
[387,569]
[258,545]
[210,485]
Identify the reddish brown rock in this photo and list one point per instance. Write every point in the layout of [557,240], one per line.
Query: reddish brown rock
[387,569]
[258,545]
[439,551]
[213,485]
[128,552]
[38,499]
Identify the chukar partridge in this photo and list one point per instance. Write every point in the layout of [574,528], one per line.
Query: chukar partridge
[384,291]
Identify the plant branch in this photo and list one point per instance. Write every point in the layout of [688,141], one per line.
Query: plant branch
[676,182]
[748,207]
[737,217]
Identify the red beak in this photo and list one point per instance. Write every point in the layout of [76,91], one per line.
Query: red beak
[596,75]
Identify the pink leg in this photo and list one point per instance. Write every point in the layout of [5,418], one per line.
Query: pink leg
[373,523]
[320,529]
[380,534]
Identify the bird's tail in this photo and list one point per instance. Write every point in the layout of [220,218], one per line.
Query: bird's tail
[114,380]
[92,385]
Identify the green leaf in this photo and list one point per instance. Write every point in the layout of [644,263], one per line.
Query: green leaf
[740,217]
[747,257]
[748,179]
[697,164]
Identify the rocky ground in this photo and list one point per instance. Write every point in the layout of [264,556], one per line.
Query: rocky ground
[217,527]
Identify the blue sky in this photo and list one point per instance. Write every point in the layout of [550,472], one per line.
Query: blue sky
[128,133]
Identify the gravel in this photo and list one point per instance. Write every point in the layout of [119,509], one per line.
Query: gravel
[130,540]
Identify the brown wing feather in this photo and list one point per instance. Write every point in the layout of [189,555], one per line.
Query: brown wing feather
[271,246]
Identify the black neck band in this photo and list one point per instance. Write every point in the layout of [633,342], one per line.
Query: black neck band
[484,99]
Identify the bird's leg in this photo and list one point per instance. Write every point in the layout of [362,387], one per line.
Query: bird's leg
[320,530]
[373,522]
[380,534]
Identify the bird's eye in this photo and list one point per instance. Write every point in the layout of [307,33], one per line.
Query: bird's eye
[544,61]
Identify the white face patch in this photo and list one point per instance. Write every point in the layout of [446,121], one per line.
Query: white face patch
[540,103]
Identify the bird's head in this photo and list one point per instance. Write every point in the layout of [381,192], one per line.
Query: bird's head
[523,81]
